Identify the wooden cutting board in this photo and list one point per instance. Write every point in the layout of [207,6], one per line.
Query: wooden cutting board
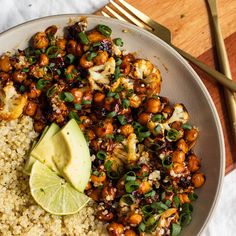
[189,23]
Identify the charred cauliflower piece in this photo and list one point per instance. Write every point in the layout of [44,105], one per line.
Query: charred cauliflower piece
[142,68]
[11,103]
[100,74]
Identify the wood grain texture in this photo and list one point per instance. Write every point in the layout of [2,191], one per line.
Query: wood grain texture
[189,23]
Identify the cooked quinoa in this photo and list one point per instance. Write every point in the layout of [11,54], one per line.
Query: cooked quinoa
[19,213]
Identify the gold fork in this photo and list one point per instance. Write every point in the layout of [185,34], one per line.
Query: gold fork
[164,33]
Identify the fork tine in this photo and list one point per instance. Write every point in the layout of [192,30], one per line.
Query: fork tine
[130,17]
[115,14]
[139,14]
[105,14]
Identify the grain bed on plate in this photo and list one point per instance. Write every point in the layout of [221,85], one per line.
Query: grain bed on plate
[19,214]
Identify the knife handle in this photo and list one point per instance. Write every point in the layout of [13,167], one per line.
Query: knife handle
[222,79]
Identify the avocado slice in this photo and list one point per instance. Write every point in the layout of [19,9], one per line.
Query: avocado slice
[71,155]
[43,151]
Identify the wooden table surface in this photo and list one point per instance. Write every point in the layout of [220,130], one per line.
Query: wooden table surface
[189,23]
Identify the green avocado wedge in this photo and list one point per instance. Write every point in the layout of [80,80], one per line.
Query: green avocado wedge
[71,155]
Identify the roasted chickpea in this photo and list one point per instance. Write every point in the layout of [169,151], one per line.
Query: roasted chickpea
[98,97]
[39,126]
[4,76]
[135,219]
[168,110]
[194,163]
[108,193]
[153,105]
[95,36]
[88,186]
[5,64]
[178,168]
[178,156]
[144,187]
[106,129]
[130,232]
[105,215]
[74,48]
[101,58]
[183,197]
[84,62]
[19,76]
[94,194]
[191,135]
[95,144]
[115,229]
[182,145]
[120,187]
[40,40]
[51,30]
[86,121]
[61,43]
[176,125]
[34,92]
[198,179]
[31,108]
[90,134]
[77,94]
[126,130]
[98,179]
[43,60]
[143,118]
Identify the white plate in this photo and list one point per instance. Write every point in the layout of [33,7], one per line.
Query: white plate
[180,84]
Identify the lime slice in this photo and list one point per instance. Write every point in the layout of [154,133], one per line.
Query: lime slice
[53,193]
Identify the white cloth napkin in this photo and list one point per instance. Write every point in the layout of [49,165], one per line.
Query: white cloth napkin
[14,12]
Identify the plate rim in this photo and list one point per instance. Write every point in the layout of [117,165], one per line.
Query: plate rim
[186,65]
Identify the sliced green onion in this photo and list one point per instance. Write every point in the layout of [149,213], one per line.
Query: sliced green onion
[91,55]
[163,195]
[172,134]
[31,60]
[41,83]
[150,221]
[119,137]
[118,42]
[185,219]
[58,71]
[167,162]
[142,227]
[51,91]
[157,129]
[67,96]
[111,114]
[157,118]
[175,229]
[86,102]
[69,58]
[109,136]
[22,88]
[69,76]
[83,38]
[105,30]
[113,174]
[108,165]
[117,72]
[176,201]
[150,194]
[51,65]
[147,210]
[122,119]
[127,199]
[101,155]
[37,52]
[125,103]
[159,206]
[118,61]
[168,203]
[192,196]
[187,208]
[52,52]
[187,126]
[143,135]
[74,115]
[96,173]
[25,70]
[96,44]
[130,176]
[77,106]
[119,89]
[110,94]
[131,186]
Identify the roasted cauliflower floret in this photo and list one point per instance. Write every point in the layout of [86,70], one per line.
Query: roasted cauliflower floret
[153,83]
[179,114]
[122,81]
[142,68]
[100,74]
[131,145]
[11,103]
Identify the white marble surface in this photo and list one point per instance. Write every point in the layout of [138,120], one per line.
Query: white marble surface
[14,12]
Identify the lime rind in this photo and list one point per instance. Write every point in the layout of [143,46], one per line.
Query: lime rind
[53,193]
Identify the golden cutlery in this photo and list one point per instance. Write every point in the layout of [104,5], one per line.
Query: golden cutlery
[224,65]
[164,33]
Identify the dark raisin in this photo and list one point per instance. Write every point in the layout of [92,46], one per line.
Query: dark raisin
[184,182]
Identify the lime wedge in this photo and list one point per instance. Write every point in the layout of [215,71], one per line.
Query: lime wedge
[53,193]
